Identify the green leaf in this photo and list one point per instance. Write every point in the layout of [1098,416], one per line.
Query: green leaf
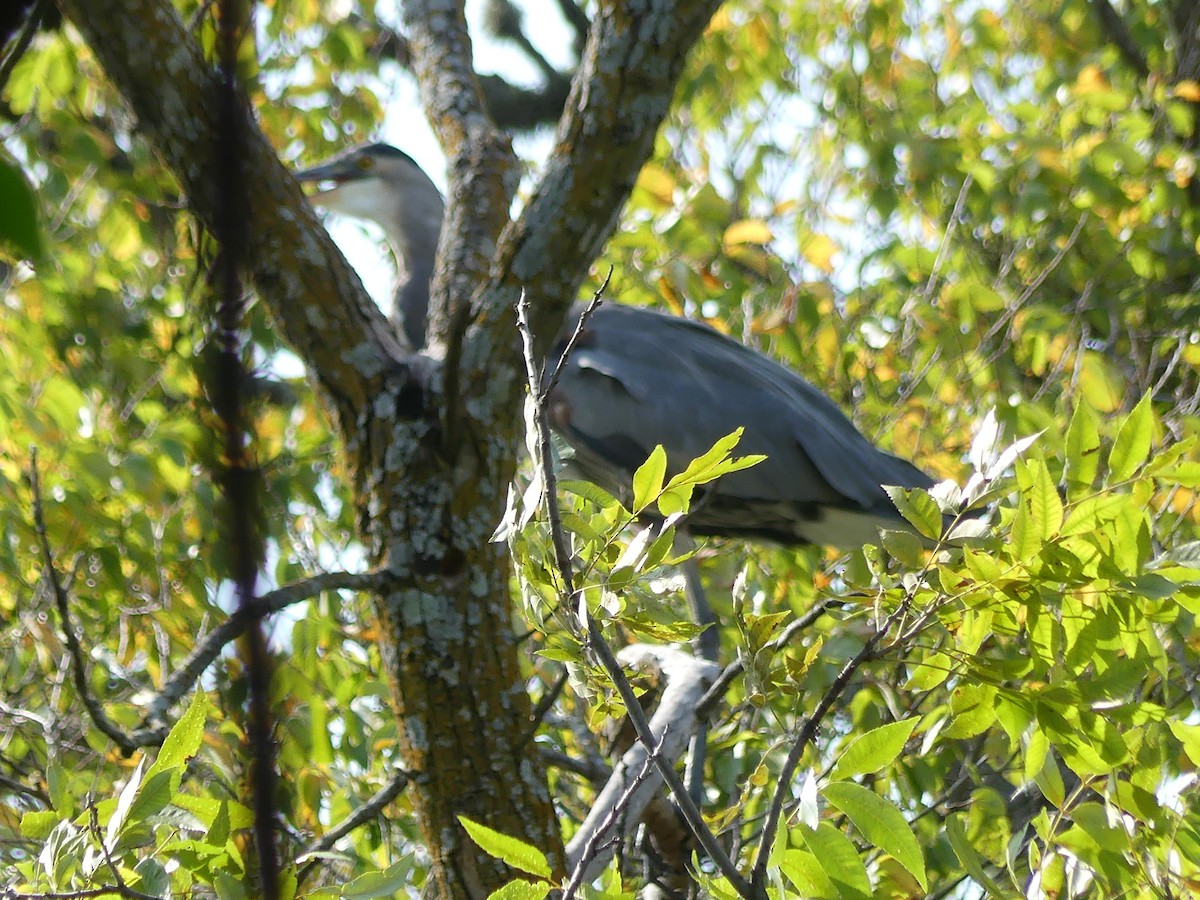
[880,823]
[648,479]
[156,792]
[716,462]
[840,860]
[185,737]
[903,545]
[918,508]
[1189,736]
[521,890]
[873,750]
[386,883]
[971,861]
[1090,513]
[1083,448]
[516,853]
[37,825]
[805,872]
[930,672]
[229,887]
[1045,507]
[19,232]
[1132,444]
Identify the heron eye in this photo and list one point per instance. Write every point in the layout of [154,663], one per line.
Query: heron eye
[366,163]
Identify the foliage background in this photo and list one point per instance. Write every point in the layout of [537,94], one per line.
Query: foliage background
[930,210]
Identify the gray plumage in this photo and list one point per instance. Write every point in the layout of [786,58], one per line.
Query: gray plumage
[638,378]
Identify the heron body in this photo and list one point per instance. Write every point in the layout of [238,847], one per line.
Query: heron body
[638,378]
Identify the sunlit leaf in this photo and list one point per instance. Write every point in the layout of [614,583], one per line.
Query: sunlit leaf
[516,853]
[880,823]
[874,749]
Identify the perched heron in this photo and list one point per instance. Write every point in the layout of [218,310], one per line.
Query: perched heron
[638,378]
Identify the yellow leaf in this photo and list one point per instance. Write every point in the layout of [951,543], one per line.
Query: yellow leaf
[721,21]
[657,182]
[759,35]
[1090,81]
[747,231]
[819,251]
[1049,159]
[667,291]
[1187,90]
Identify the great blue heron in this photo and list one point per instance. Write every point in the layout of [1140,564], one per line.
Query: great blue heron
[638,378]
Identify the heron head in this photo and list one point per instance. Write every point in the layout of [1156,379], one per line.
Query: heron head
[379,183]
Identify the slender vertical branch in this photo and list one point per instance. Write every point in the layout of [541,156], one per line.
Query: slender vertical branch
[239,476]
[594,639]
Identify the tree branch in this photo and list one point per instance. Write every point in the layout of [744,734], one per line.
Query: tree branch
[207,651]
[480,158]
[619,97]
[314,296]
[735,668]
[631,787]
[594,640]
[1121,37]
[78,667]
[360,816]
[512,108]
[807,733]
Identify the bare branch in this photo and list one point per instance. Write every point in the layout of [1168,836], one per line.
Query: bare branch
[588,856]
[504,21]
[597,299]
[123,889]
[207,651]
[630,788]
[594,640]
[619,97]
[576,18]
[480,158]
[78,667]
[360,816]
[808,732]
[545,462]
[512,107]
[1121,37]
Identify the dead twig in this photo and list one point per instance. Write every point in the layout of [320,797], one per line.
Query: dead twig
[595,641]
[360,816]
[78,667]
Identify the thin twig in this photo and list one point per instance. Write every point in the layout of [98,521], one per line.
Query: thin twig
[807,734]
[207,651]
[714,694]
[593,845]
[105,890]
[124,889]
[23,39]
[545,461]
[360,816]
[78,667]
[593,305]
[545,704]
[595,640]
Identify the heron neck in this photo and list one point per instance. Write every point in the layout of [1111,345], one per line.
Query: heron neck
[414,241]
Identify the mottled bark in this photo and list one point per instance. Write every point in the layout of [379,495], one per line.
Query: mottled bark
[432,445]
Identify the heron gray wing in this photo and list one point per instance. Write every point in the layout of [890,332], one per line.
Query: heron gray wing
[648,361]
